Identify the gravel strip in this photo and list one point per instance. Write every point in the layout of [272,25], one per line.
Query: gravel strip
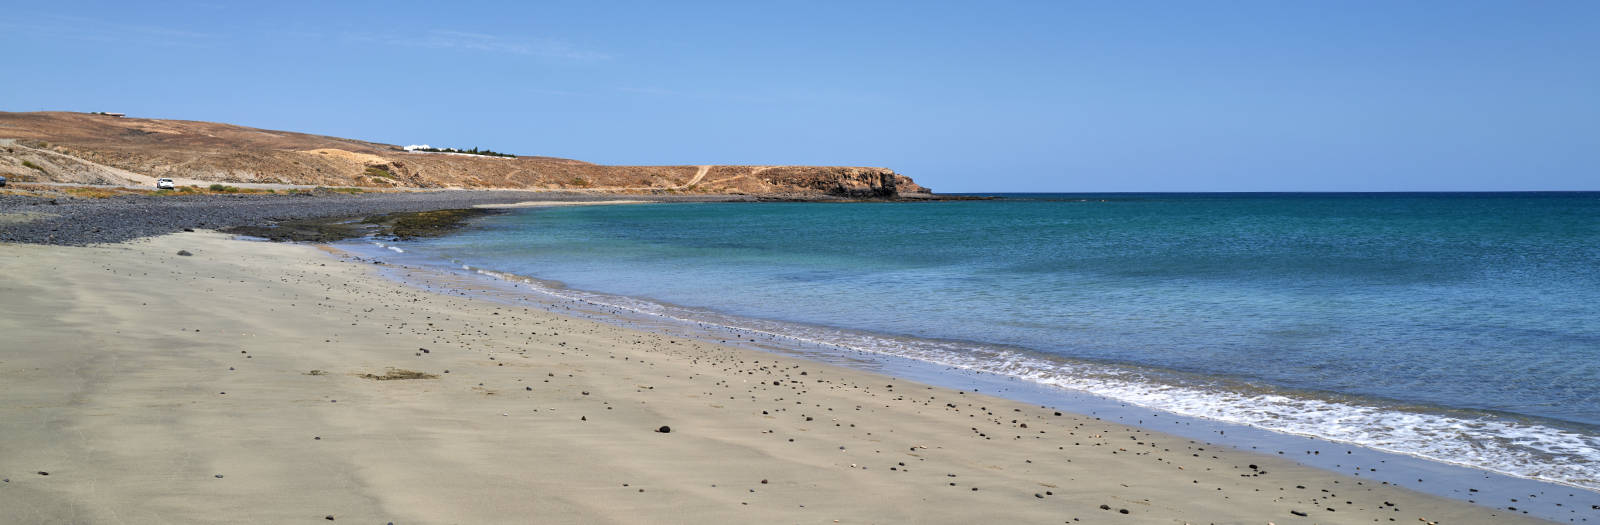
[78,222]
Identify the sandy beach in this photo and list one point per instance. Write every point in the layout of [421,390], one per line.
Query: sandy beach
[255,382]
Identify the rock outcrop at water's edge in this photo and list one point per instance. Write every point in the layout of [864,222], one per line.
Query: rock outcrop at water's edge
[100,149]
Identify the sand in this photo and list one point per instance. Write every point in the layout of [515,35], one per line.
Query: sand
[269,383]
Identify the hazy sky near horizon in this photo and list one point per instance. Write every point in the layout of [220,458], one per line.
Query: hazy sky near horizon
[963,97]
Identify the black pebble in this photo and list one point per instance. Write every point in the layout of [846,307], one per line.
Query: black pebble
[184,253]
[665,429]
[1105,507]
[43,473]
[1297,513]
[1122,511]
[219,476]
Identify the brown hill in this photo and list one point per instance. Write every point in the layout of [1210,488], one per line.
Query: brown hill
[99,149]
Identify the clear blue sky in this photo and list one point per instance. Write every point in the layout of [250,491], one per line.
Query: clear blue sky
[991,96]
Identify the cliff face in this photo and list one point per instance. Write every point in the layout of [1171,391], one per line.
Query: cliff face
[78,147]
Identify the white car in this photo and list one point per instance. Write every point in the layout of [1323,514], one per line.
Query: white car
[164,184]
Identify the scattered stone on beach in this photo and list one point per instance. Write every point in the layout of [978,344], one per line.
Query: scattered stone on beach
[93,221]
[666,429]
[397,374]
[1297,513]
[43,473]
[184,253]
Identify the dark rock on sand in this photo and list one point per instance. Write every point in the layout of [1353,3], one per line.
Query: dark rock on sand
[116,219]
[666,429]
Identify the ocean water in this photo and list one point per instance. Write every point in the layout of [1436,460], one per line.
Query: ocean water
[1462,328]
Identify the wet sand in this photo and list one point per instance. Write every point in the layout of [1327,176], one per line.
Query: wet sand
[266,383]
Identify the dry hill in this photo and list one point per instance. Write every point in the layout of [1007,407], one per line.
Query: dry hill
[99,149]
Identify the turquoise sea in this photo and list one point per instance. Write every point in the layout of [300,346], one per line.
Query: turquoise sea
[1463,328]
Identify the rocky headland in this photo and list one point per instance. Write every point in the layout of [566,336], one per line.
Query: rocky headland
[64,147]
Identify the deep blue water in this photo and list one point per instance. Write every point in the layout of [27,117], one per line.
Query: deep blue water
[1459,327]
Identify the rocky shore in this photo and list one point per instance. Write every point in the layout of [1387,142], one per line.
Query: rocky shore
[77,222]
[84,221]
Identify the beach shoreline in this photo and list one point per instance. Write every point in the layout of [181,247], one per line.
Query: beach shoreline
[248,381]
[1440,476]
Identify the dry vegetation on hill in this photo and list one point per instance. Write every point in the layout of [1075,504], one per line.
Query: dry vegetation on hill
[97,149]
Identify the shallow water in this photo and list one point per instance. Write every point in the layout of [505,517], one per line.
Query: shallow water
[1458,327]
